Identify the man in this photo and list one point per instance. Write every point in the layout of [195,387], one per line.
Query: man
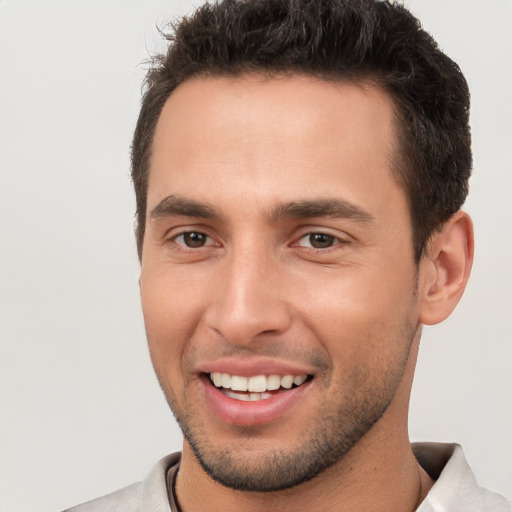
[299,170]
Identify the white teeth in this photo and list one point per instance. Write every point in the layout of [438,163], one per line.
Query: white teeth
[247,397]
[217,378]
[273,382]
[239,383]
[255,385]
[238,396]
[287,381]
[299,380]
[226,380]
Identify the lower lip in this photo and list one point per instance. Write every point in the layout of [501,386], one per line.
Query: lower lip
[238,412]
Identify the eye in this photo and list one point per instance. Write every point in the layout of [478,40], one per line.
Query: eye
[318,241]
[192,239]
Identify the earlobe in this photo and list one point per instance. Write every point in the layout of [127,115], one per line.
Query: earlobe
[445,269]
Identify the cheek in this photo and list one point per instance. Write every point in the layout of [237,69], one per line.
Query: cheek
[171,312]
[361,316]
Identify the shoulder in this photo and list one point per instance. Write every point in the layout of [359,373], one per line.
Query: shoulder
[126,500]
[150,495]
[456,487]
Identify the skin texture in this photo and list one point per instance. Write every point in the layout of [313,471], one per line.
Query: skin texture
[232,159]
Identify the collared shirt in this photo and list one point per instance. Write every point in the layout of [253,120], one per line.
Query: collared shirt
[455,489]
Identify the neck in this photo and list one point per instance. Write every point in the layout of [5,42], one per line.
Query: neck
[384,482]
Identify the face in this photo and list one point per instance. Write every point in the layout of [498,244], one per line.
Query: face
[278,280]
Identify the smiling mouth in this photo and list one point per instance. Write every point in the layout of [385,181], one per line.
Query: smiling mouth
[258,387]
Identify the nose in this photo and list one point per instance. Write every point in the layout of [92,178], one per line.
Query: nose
[250,300]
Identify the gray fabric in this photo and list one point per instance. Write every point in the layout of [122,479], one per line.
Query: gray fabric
[150,495]
[455,490]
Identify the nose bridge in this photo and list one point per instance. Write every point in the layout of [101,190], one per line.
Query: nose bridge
[249,301]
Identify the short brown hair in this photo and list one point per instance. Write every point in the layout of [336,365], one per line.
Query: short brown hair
[347,40]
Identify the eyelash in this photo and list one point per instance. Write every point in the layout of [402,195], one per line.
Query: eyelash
[191,232]
[335,241]
[338,243]
[332,241]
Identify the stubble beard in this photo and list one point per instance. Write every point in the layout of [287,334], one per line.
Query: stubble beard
[327,440]
[278,470]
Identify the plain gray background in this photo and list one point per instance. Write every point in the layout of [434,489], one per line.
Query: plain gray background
[81,412]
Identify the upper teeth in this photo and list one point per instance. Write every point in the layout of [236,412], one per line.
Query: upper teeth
[256,384]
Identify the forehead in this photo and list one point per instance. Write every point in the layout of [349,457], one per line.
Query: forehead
[286,135]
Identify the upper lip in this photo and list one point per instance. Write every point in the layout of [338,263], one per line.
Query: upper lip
[254,366]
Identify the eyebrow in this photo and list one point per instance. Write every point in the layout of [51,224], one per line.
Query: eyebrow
[174,205]
[334,208]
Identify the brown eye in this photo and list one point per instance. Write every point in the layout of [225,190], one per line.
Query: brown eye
[192,239]
[320,240]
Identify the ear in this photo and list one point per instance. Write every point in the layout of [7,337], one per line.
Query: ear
[445,269]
